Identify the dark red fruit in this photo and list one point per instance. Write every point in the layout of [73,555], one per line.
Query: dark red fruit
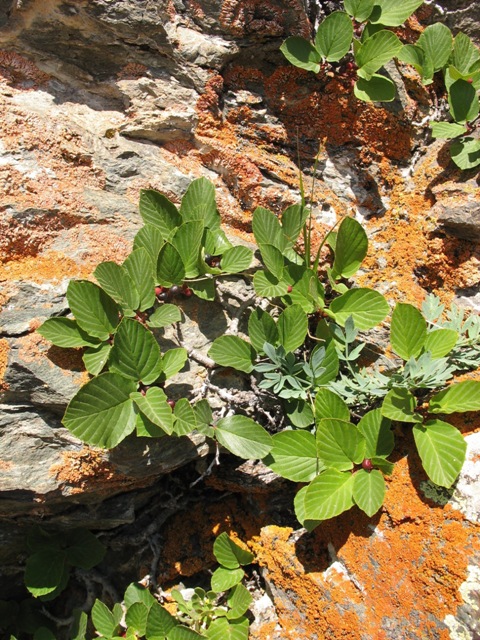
[367,464]
[208,258]
[171,403]
[162,297]
[158,290]
[175,290]
[187,292]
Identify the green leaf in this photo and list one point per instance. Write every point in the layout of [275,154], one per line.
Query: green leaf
[261,329]
[459,397]
[164,315]
[78,628]
[185,420]
[447,130]
[436,40]
[376,429]
[139,267]
[329,405]
[239,599]
[116,281]
[198,203]
[376,51]
[236,259]
[440,342]
[137,593]
[339,444]
[299,506]
[463,101]
[299,412]
[393,13]
[95,358]
[229,554]
[204,289]
[466,152]
[136,617]
[465,54]
[154,405]
[368,490]
[441,448]
[103,619]
[350,248]
[64,332]
[293,220]
[384,465]
[83,549]
[301,53]
[232,351]
[135,353]
[266,227]
[330,363]
[216,242]
[44,571]
[170,266]
[95,312]
[223,629]
[188,241]
[43,633]
[359,9]
[367,308]
[272,258]
[294,456]
[292,327]
[399,404]
[159,622]
[408,331]
[157,210]
[334,36]
[329,495]
[151,240]
[101,413]
[224,579]
[266,285]
[377,88]
[181,632]
[173,361]
[243,437]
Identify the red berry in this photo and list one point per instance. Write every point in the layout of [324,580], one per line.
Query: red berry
[158,290]
[171,403]
[289,288]
[187,292]
[367,464]
[470,80]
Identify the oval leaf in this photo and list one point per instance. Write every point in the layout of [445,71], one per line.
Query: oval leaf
[198,203]
[261,329]
[170,266]
[463,101]
[393,13]
[329,495]
[155,406]
[329,405]
[339,444]
[164,315]
[266,227]
[243,437]
[302,54]
[139,267]
[102,413]
[350,249]
[440,342]
[460,397]
[334,36]
[376,51]
[64,332]
[378,88]
[294,456]
[95,312]
[229,554]
[399,404]
[266,285]
[367,307]
[368,491]
[95,358]
[44,571]
[466,152]
[236,259]
[224,579]
[436,41]
[116,281]
[157,210]
[232,351]
[378,434]
[187,241]
[359,9]
[135,353]
[408,331]
[441,448]
[292,327]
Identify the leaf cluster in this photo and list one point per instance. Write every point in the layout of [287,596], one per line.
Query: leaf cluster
[371,44]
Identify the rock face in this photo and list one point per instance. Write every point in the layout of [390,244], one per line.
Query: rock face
[100,99]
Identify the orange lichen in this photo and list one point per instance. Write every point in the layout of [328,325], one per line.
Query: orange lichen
[81,469]
[51,267]
[16,70]
[4,351]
